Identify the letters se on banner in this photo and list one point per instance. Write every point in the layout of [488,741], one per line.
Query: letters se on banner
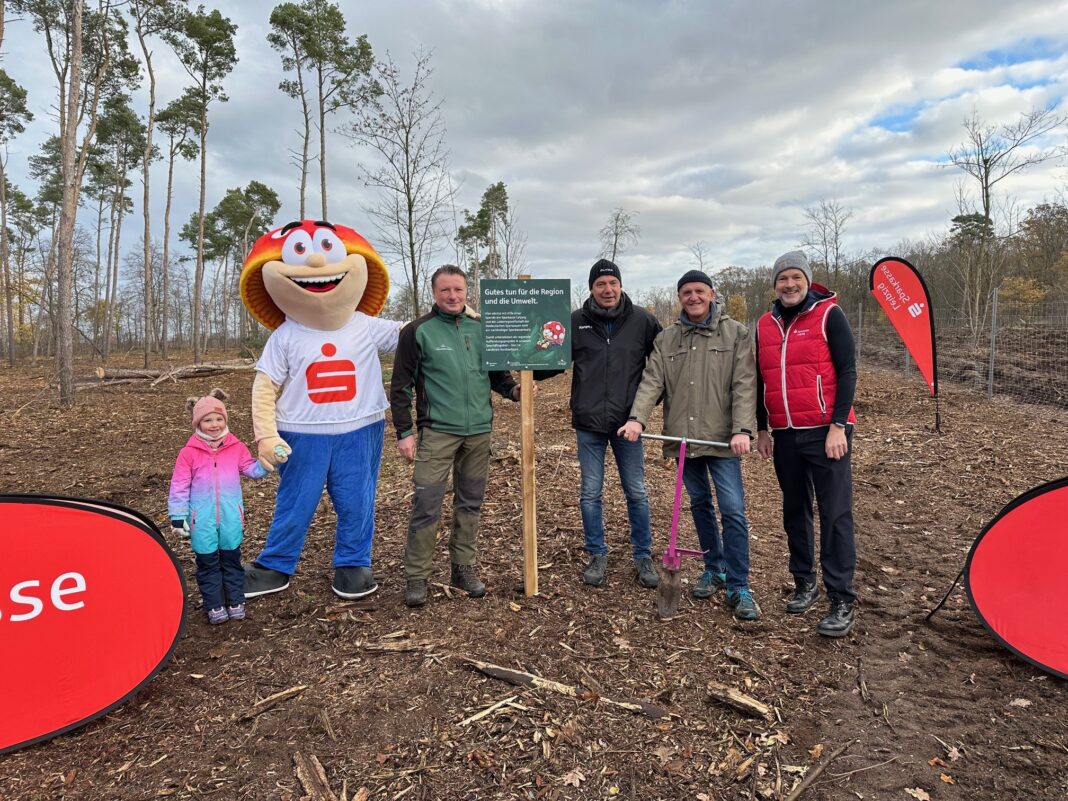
[92,604]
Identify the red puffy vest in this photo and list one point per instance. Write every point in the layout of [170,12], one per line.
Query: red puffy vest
[799,377]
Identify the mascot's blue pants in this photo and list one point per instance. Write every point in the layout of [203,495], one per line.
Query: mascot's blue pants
[348,465]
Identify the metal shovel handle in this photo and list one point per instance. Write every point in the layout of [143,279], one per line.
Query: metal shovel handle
[687,440]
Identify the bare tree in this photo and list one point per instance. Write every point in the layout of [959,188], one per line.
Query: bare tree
[826,226]
[991,153]
[86,52]
[404,129]
[151,18]
[699,251]
[513,245]
[14,115]
[619,233]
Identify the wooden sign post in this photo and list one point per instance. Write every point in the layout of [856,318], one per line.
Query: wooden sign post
[524,327]
[530,496]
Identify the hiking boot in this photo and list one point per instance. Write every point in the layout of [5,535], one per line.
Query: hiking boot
[216,616]
[647,575]
[351,583]
[415,592]
[709,584]
[236,612]
[465,577]
[806,591]
[839,620]
[595,571]
[743,604]
[263,581]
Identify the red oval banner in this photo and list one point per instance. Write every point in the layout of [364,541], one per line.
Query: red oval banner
[92,603]
[1015,576]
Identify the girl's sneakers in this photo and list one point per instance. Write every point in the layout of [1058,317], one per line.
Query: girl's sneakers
[236,612]
[219,615]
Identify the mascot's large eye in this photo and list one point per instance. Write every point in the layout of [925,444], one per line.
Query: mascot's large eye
[330,245]
[297,247]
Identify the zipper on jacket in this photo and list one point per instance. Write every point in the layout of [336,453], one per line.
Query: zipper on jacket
[782,369]
[467,388]
[819,394]
[215,474]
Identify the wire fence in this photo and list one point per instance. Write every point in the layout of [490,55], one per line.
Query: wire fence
[997,348]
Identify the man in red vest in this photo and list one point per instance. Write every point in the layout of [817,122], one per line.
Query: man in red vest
[807,377]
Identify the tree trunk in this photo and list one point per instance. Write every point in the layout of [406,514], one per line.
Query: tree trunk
[322,143]
[5,264]
[146,159]
[198,278]
[68,215]
[166,258]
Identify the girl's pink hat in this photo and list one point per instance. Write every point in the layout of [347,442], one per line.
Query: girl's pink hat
[212,403]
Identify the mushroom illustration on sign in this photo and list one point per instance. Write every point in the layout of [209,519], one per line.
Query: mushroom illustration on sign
[552,335]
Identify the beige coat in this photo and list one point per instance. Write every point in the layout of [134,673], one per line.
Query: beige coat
[707,377]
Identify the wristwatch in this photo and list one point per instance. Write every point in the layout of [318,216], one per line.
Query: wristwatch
[840,425]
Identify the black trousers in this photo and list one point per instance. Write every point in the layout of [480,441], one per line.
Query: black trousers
[221,578]
[804,473]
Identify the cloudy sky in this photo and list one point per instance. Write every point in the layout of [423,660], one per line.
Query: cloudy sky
[717,122]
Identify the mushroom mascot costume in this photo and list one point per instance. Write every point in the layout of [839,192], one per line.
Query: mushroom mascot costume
[319,288]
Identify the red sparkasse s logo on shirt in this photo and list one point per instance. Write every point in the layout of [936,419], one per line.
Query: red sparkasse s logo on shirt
[92,603]
[331,380]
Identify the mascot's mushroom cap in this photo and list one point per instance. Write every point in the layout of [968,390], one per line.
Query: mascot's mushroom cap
[269,248]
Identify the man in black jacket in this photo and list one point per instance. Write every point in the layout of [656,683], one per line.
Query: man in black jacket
[611,337]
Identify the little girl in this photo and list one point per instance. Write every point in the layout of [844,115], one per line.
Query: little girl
[205,500]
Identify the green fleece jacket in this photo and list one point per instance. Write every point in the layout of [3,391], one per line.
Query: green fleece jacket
[440,356]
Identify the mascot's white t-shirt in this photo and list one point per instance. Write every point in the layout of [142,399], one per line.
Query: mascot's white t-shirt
[331,380]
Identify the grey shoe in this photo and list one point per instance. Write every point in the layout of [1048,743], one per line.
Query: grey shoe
[465,577]
[415,592]
[709,584]
[744,605]
[595,571]
[647,575]
[351,583]
[263,581]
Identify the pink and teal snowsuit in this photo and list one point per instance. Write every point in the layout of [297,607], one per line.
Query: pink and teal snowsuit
[206,492]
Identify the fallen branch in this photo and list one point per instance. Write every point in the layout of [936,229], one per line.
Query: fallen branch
[814,774]
[396,646]
[736,656]
[196,370]
[522,679]
[312,778]
[272,700]
[487,711]
[739,700]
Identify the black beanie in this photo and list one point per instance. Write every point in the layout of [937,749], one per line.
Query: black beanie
[694,276]
[604,267]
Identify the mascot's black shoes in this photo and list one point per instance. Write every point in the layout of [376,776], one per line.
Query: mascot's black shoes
[263,581]
[839,621]
[805,594]
[354,582]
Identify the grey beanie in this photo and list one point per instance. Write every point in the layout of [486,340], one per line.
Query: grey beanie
[794,260]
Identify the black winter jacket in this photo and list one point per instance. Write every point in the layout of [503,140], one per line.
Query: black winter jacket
[608,354]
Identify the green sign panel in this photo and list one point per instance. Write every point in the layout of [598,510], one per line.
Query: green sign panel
[525,324]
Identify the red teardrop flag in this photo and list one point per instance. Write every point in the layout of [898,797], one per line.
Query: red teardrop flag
[901,292]
[1015,576]
[91,608]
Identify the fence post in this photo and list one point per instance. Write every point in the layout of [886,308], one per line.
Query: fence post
[993,345]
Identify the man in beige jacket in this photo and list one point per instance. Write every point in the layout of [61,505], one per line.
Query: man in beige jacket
[704,367]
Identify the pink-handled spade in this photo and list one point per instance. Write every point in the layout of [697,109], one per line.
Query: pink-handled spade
[669,590]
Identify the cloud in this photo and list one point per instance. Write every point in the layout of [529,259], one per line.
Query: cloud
[715,122]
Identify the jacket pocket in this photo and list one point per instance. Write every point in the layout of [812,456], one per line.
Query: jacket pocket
[819,394]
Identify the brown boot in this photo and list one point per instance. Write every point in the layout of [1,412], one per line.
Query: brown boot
[465,577]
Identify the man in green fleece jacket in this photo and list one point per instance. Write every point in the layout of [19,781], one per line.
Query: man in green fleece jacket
[440,356]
